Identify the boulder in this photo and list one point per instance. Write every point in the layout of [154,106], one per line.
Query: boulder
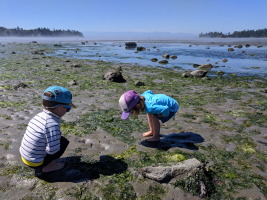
[20,85]
[166,174]
[231,49]
[73,82]
[167,56]
[154,60]
[238,46]
[114,76]
[164,62]
[139,83]
[130,45]
[205,67]
[173,57]
[224,60]
[186,75]
[140,48]
[220,73]
[75,65]
[196,65]
[199,73]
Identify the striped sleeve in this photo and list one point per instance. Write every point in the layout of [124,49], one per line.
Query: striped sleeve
[53,135]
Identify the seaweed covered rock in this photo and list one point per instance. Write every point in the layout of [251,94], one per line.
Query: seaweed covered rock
[165,174]
[20,85]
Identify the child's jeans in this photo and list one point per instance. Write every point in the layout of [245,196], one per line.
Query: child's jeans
[165,119]
[49,158]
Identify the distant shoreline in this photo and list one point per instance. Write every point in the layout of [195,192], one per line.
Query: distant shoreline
[193,41]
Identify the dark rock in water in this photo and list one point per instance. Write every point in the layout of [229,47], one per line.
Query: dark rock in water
[238,46]
[199,73]
[114,76]
[20,85]
[139,83]
[173,57]
[154,59]
[231,49]
[265,91]
[57,45]
[167,56]
[205,67]
[163,62]
[140,48]
[130,45]
[220,73]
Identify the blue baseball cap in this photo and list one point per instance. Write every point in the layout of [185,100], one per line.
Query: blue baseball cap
[61,95]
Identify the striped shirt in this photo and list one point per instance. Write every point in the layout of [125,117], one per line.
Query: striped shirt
[42,137]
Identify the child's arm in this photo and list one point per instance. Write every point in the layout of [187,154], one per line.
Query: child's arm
[53,135]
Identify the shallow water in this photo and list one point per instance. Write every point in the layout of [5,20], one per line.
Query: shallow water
[244,61]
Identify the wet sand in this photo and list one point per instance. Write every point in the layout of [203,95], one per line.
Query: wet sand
[222,120]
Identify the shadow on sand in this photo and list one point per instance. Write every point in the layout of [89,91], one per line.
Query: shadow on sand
[185,140]
[76,170]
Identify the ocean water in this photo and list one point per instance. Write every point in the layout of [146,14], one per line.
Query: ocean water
[244,61]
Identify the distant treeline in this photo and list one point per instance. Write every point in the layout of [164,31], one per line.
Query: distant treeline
[237,34]
[44,32]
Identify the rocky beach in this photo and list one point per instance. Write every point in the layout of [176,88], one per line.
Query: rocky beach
[214,149]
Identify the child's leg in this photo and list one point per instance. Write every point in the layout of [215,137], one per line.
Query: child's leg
[149,119]
[50,163]
[155,130]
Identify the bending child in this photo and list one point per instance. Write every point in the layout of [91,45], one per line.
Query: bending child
[42,144]
[157,106]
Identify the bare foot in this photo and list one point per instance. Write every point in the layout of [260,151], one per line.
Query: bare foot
[53,166]
[153,139]
[147,134]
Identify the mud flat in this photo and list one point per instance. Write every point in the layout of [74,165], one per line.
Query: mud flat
[222,123]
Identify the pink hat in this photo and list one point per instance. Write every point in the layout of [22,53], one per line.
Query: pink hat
[127,101]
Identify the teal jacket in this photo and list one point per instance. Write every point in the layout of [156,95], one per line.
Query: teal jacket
[159,103]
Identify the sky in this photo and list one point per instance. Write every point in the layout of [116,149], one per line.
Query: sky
[142,16]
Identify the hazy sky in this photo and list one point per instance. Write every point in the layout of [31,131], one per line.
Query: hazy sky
[175,16]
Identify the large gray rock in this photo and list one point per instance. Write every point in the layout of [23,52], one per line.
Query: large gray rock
[199,73]
[114,76]
[205,67]
[167,174]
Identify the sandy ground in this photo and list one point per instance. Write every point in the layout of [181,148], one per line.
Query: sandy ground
[209,121]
